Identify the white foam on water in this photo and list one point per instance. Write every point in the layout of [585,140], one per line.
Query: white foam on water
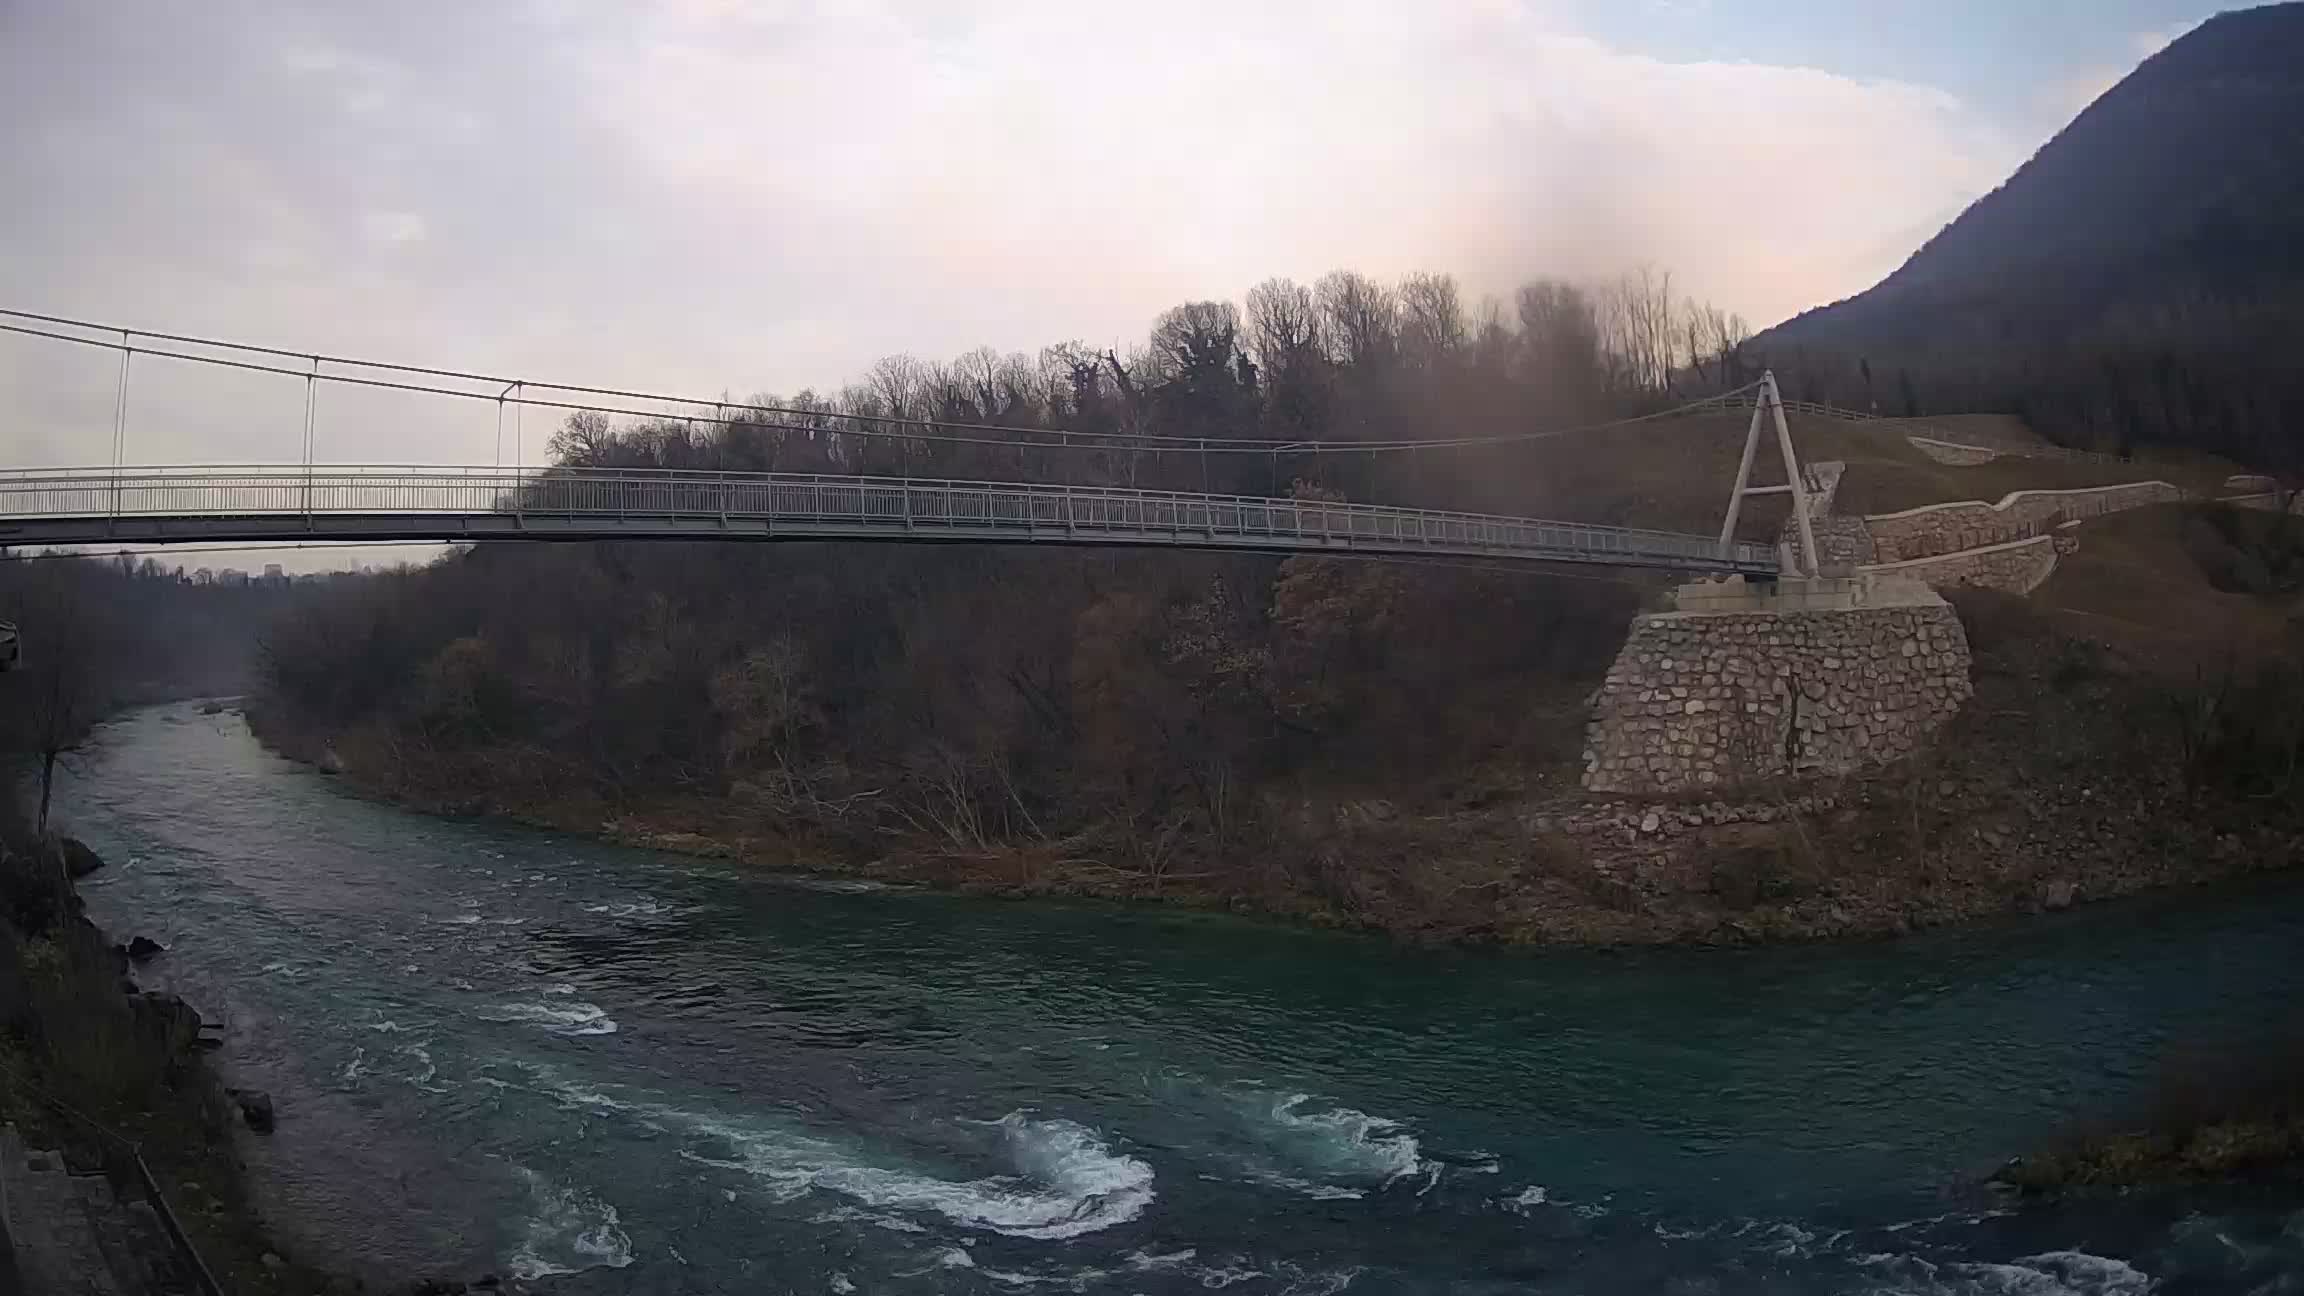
[837,886]
[640,909]
[1532,1195]
[357,1067]
[841,1286]
[423,1056]
[568,1231]
[575,1018]
[2051,1273]
[948,1258]
[461,920]
[560,988]
[850,1214]
[1064,1180]
[1137,1264]
[1324,1144]
[1061,1181]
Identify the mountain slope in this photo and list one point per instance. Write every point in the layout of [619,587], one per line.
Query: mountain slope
[2140,279]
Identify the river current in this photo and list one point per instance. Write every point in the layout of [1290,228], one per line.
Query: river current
[594,1069]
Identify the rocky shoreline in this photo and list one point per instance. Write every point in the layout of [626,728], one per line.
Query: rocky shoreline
[137,1065]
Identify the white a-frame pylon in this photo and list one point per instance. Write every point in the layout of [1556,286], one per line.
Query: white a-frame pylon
[1770,403]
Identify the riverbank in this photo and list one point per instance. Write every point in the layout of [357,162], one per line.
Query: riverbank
[131,1064]
[90,1065]
[2227,1115]
[2063,782]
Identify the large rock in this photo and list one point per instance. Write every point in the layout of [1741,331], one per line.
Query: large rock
[255,1108]
[144,949]
[79,860]
[175,1023]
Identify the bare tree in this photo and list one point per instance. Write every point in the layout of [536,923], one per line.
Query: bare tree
[1196,341]
[1360,319]
[1283,328]
[584,440]
[1560,335]
[64,684]
[1714,340]
[1637,329]
[1432,322]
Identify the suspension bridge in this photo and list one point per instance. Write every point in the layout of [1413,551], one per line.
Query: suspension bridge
[121,503]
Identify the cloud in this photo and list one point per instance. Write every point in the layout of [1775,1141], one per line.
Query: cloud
[1217,143]
[735,195]
[394,227]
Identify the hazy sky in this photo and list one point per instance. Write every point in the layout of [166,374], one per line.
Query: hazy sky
[748,195]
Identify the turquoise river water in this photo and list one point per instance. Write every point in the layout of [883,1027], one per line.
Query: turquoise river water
[593,1069]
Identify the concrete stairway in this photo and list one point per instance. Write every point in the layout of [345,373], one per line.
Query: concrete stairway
[72,1236]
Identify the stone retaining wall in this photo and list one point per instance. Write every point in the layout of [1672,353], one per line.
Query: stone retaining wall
[2269,502]
[1705,701]
[1844,541]
[1948,528]
[1953,452]
[2017,567]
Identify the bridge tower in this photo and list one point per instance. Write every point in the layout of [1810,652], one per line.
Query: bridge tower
[1770,403]
[1743,685]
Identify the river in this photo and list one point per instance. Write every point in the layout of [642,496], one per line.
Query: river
[611,1070]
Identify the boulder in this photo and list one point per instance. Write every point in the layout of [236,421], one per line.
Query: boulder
[330,762]
[211,708]
[2058,895]
[79,860]
[255,1108]
[175,1023]
[144,949]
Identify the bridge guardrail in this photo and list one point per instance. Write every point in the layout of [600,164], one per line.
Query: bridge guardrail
[812,504]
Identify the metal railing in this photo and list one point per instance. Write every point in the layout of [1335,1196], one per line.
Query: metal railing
[124,1157]
[102,505]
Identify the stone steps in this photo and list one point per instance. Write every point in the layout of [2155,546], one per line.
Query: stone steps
[73,1236]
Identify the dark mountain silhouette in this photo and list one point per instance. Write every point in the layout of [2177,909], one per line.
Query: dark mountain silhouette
[2141,279]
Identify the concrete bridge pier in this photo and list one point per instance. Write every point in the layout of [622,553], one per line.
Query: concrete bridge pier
[1746,683]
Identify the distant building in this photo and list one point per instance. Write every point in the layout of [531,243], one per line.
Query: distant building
[273,575]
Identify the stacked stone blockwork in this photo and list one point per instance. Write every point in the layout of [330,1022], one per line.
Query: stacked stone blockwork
[1741,686]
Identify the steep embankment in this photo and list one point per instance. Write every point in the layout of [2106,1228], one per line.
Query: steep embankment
[88,1061]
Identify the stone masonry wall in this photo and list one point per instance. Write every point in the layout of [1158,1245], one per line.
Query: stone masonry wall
[1948,528]
[2269,502]
[1844,541]
[1708,701]
[2018,567]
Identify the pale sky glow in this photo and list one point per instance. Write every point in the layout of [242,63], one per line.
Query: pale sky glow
[764,195]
